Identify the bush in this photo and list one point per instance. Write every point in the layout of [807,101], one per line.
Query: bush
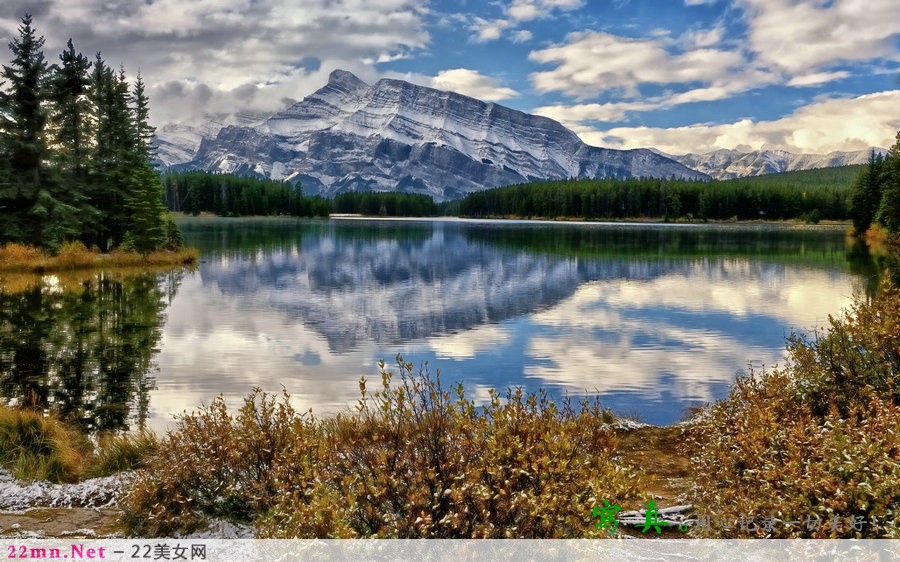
[214,466]
[20,256]
[413,460]
[819,438]
[74,255]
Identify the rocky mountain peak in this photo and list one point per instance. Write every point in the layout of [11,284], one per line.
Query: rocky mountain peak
[399,136]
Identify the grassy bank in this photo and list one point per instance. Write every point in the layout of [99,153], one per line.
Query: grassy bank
[35,446]
[20,258]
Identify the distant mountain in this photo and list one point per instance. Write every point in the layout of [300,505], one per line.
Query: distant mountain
[729,164]
[398,136]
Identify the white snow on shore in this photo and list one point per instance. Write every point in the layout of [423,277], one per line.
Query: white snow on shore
[94,493]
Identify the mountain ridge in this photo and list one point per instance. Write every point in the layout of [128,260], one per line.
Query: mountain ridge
[397,136]
[726,163]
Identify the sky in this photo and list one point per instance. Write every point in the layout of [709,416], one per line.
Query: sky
[677,75]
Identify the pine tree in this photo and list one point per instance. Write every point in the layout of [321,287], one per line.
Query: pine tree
[889,209]
[147,230]
[69,116]
[866,196]
[114,153]
[36,208]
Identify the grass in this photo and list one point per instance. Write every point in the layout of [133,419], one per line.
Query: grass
[20,258]
[39,446]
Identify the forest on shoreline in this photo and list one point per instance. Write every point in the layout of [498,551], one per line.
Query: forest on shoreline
[808,196]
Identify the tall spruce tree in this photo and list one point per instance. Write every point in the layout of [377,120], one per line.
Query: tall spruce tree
[866,196]
[70,113]
[114,152]
[148,229]
[70,132]
[889,210]
[36,208]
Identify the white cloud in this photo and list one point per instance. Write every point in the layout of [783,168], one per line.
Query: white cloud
[699,38]
[525,10]
[821,127]
[472,83]
[817,78]
[593,62]
[804,36]
[522,36]
[489,30]
[218,48]
[519,11]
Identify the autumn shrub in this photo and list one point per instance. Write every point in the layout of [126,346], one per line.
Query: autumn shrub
[34,446]
[214,465]
[420,461]
[74,255]
[16,257]
[413,459]
[817,439]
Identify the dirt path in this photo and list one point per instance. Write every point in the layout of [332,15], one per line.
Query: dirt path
[60,522]
[654,450]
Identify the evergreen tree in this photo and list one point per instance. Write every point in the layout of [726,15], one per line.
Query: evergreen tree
[25,117]
[866,196]
[147,230]
[36,207]
[70,112]
[889,210]
[143,131]
[114,152]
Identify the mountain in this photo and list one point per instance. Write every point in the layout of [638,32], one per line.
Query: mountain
[398,136]
[728,164]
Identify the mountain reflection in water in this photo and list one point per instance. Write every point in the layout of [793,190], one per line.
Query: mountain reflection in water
[655,319]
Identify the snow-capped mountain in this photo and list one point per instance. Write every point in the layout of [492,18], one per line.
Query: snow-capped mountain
[177,142]
[727,164]
[398,136]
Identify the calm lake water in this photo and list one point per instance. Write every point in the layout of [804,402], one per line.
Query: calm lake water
[655,319]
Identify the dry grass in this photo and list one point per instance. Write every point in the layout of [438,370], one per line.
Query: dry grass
[34,446]
[19,258]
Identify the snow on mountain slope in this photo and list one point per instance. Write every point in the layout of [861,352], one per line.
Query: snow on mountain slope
[397,136]
[728,164]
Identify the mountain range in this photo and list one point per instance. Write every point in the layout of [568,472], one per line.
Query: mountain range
[398,136]
[729,164]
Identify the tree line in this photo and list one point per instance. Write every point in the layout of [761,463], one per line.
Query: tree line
[228,195]
[386,204]
[236,196]
[75,150]
[876,192]
[793,196]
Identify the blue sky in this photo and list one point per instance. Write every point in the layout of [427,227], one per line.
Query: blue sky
[681,76]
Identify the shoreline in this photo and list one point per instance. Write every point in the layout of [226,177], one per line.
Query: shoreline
[22,259]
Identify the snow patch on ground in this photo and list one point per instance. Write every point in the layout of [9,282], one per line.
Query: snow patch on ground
[94,493]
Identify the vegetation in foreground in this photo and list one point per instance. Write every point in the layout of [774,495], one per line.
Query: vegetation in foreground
[73,255]
[413,460]
[816,439]
[35,446]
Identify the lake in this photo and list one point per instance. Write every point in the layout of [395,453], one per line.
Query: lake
[654,319]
